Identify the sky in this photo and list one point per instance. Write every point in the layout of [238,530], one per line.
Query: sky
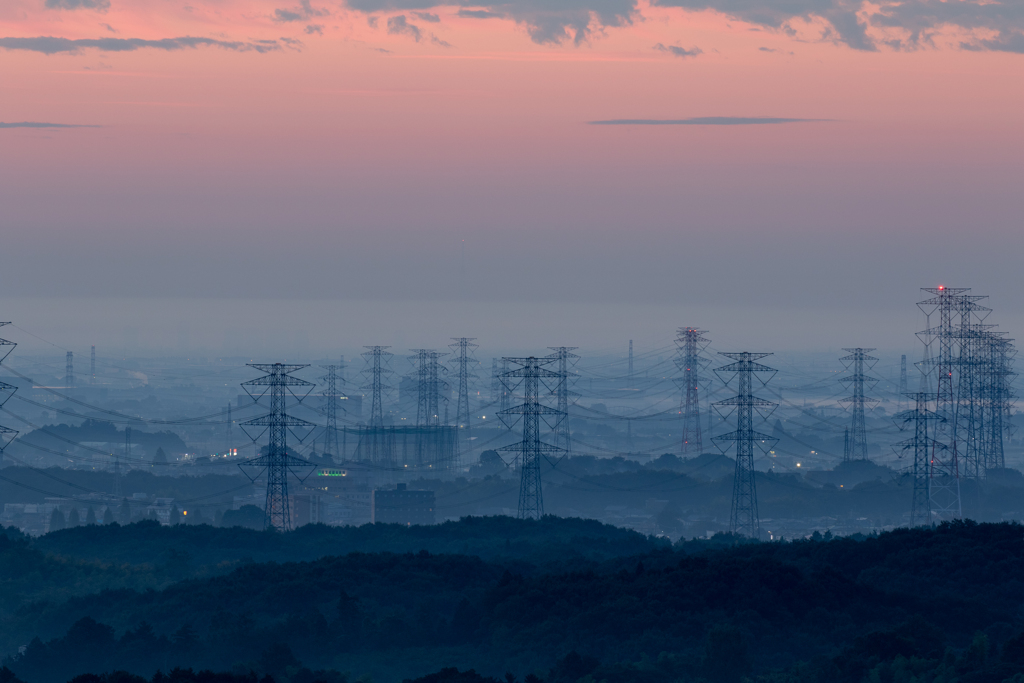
[276,175]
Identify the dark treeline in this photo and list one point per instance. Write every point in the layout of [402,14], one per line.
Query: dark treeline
[912,605]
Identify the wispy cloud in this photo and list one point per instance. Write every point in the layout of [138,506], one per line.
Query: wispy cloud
[101,5]
[679,51]
[303,12]
[428,17]
[546,21]
[995,24]
[51,45]
[704,121]
[400,25]
[437,41]
[479,14]
[40,124]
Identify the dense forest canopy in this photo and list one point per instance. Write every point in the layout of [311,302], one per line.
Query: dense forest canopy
[555,600]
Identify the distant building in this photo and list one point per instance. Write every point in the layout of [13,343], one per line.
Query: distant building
[306,509]
[402,506]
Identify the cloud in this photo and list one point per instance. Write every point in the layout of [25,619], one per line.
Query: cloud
[398,25]
[841,14]
[37,124]
[110,28]
[997,24]
[546,21]
[480,14]
[437,41]
[315,28]
[50,45]
[702,121]
[428,17]
[101,5]
[303,12]
[679,51]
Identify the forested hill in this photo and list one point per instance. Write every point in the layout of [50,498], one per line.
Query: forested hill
[501,539]
[912,605]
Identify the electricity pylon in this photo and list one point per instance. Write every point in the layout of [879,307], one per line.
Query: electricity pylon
[529,451]
[690,342]
[922,447]
[858,358]
[565,357]
[329,410]
[277,462]
[6,391]
[744,518]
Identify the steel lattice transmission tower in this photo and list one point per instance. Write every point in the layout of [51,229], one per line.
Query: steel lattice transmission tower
[944,464]
[6,391]
[630,364]
[463,348]
[277,462]
[565,356]
[435,442]
[995,398]
[329,409]
[69,371]
[376,360]
[904,388]
[857,360]
[744,517]
[429,387]
[505,401]
[959,326]
[127,459]
[528,453]
[497,388]
[377,445]
[92,365]
[921,447]
[690,343]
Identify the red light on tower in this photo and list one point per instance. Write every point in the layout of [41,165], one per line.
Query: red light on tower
[941,288]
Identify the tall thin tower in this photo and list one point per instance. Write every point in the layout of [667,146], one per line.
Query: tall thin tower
[744,518]
[429,387]
[921,447]
[69,371]
[230,437]
[944,464]
[463,347]
[377,444]
[630,364]
[858,358]
[690,342]
[92,365]
[497,388]
[565,356]
[329,409]
[904,388]
[6,391]
[277,462]
[506,395]
[531,449]
[376,359]
[117,461]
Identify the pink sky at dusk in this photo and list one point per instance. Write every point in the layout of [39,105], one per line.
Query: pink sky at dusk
[353,148]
